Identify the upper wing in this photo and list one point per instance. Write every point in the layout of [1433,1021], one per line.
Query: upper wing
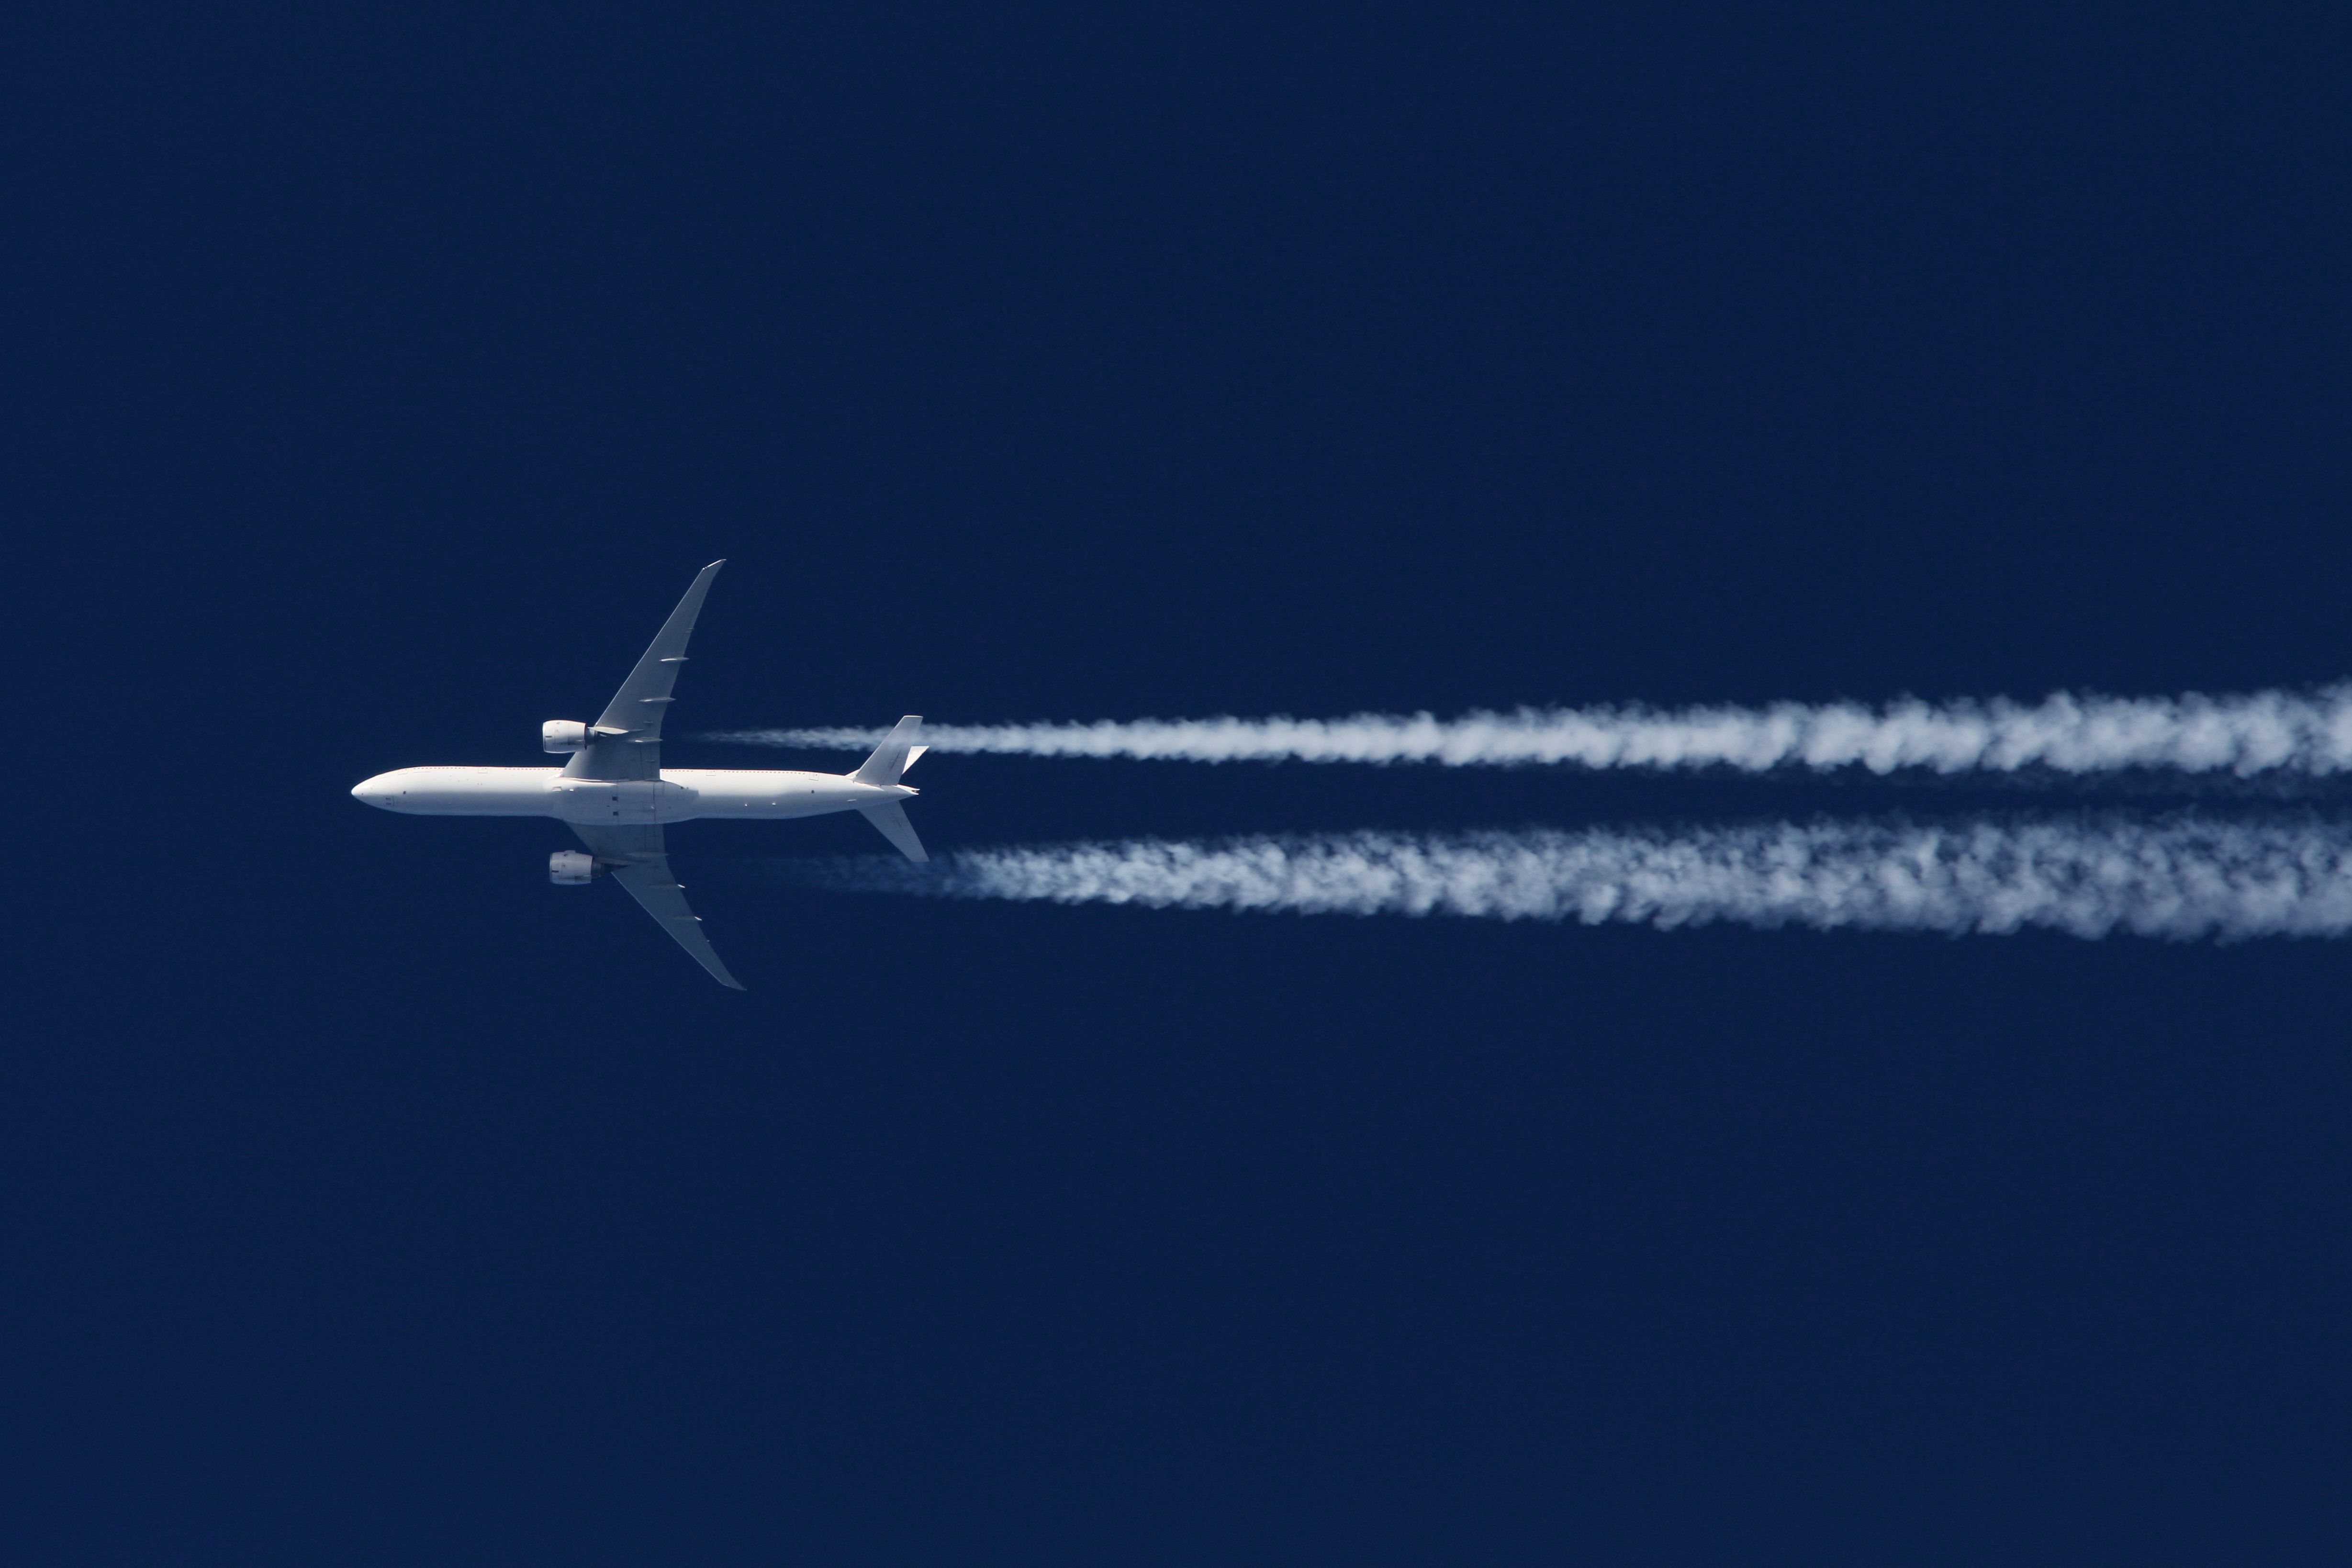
[628,739]
[640,863]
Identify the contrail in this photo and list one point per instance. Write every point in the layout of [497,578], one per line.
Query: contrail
[2181,879]
[2259,733]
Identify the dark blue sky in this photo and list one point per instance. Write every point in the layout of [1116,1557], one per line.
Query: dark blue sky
[378,378]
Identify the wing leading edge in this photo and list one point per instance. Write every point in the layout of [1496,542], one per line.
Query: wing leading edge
[639,862]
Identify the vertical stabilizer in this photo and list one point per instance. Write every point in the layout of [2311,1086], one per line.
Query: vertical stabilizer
[889,758]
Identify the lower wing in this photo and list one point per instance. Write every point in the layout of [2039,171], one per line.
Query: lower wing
[639,862]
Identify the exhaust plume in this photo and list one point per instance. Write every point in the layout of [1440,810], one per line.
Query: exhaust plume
[2259,733]
[2181,879]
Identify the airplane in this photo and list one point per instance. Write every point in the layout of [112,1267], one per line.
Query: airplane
[618,797]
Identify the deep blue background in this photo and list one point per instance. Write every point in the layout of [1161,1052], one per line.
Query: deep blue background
[378,377]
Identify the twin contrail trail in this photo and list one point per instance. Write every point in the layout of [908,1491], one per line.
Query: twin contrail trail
[2179,878]
[2259,733]
[2183,878]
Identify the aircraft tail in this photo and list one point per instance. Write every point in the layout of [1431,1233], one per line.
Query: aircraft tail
[892,756]
[890,817]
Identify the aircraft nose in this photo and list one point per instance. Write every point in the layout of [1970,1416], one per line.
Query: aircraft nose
[373,791]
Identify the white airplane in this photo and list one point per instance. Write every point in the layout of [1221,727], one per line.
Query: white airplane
[617,797]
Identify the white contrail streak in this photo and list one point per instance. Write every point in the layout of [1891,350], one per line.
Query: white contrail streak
[2265,732]
[2181,879]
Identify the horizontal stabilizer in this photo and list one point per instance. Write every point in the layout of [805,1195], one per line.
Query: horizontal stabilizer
[890,817]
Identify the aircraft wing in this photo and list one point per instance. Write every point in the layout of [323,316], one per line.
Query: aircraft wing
[628,739]
[640,863]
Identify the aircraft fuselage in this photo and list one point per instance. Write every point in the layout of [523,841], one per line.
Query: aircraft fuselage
[680,795]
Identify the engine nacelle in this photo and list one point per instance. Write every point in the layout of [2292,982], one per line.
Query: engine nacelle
[570,868]
[562,735]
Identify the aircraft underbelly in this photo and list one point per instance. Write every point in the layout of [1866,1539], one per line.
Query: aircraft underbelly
[745,793]
[622,802]
[768,809]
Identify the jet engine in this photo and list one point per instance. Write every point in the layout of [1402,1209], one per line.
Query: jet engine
[562,735]
[570,868]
